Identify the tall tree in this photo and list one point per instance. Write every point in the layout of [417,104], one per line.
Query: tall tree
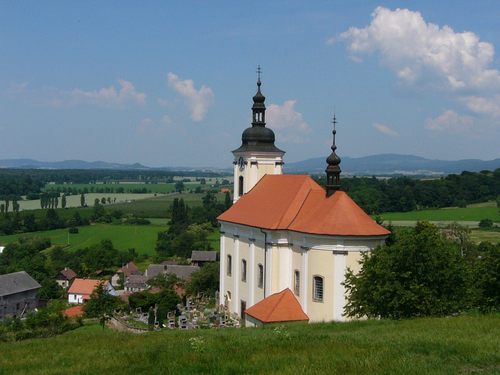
[82,200]
[63,201]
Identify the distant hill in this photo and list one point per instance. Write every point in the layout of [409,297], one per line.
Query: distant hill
[382,164]
[394,164]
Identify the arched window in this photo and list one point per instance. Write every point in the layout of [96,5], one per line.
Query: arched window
[240,186]
[296,284]
[318,289]
[229,265]
[244,270]
[260,280]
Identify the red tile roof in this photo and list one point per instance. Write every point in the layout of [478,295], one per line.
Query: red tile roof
[68,273]
[298,203]
[74,311]
[84,286]
[129,269]
[278,307]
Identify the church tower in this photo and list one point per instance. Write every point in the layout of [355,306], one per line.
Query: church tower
[257,155]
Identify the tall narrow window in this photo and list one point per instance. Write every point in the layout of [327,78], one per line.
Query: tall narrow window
[318,288]
[229,265]
[296,283]
[260,280]
[240,186]
[243,270]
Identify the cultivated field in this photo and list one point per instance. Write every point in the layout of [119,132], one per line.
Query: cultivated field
[158,207]
[74,200]
[128,187]
[140,237]
[453,345]
[471,213]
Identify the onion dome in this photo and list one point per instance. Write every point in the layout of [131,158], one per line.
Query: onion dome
[258,137]
[333,166]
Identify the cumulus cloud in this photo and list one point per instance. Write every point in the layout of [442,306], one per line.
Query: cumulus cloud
[384,129]
[287,122]
[450,120]
[126,93]
[197,100]
[483,105]
[411,47]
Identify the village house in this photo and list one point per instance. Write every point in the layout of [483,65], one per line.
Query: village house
[181,271]
[65,277]
[136,283]
[199,258]
[81,289]
[288,232]
[122,273]
[18,294]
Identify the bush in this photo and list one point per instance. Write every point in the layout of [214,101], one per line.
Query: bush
[486,223]
[421,274]
[73,230]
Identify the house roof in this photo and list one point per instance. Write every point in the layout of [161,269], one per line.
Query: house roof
[84,286]
[137,281]
[129,269]
[74,311]
[67,274]
[298,203]
[181,271]
[17,282]
[203,256]
[278,307]
[154,270]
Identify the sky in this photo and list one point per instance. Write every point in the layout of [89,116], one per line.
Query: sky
[171,83]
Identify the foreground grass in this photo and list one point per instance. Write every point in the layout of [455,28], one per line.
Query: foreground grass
[475,212]
[458,345]
[140,237]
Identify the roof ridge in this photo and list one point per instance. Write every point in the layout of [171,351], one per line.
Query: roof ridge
[304,185]
[280,297]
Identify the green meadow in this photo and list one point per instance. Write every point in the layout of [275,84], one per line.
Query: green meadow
[158,207]
[474,212]
[141,237]
[128,187]
[452,345]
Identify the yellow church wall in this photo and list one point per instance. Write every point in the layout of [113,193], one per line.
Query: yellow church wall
[320,263]
[243,285]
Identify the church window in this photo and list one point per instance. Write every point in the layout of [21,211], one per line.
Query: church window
[318,288]
[244,270]
[240,186]
[229,265]
[296,284]
[260,281]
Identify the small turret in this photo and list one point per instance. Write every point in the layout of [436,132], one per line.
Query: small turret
[333,166]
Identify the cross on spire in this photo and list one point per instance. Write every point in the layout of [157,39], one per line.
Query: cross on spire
[333,165]
[259,71]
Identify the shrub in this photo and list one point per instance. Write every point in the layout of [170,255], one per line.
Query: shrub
[486,223]
[73,230]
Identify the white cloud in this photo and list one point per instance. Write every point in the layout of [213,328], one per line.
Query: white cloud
[287,122]
[411,46]
[483,105]
[197,100]
[110,95]
[384,129]
[450,120]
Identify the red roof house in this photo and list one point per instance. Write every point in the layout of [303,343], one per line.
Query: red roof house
[81,289]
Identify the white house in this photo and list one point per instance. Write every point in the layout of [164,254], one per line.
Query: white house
[81,289]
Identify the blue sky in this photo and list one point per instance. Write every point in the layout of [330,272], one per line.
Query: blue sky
[170,83]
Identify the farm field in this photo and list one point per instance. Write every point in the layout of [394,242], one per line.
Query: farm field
[128,187]
[74,200]
[485,235]
[474,213]
[452,345]
[141,237]
[158,207]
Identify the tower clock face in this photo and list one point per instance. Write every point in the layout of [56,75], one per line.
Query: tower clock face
[241,163]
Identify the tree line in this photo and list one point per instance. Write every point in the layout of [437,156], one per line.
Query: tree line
[403,194]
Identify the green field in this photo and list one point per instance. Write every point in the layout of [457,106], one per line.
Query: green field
[127,186]
[478,235]
[140,237]
[474,212]
[158,207]
[454,345]
[74,200]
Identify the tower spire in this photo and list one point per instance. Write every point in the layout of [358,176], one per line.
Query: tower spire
[333,165]
[259,108]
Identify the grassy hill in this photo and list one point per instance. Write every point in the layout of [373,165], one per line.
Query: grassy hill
[454,345]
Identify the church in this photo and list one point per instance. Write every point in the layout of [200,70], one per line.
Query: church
[286,242]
